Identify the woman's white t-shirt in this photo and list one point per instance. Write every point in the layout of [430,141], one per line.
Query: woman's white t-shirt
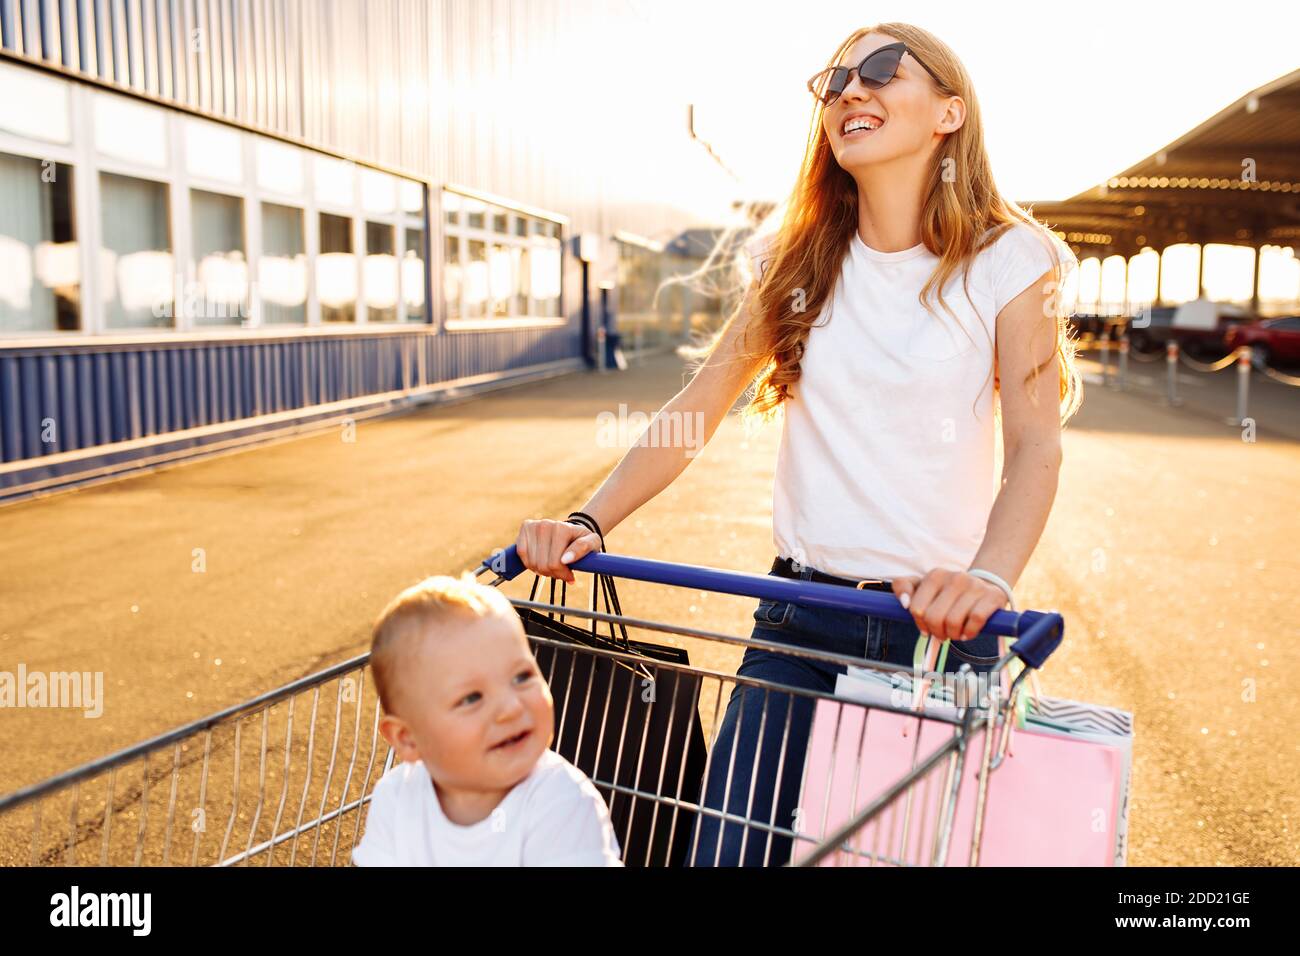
[886,463]
[553,817]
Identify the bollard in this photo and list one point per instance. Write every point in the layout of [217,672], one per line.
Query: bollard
[600,347]
[1171,365]
[1244,360]
[1123,361]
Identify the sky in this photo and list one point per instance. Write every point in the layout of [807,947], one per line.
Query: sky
[1071,93]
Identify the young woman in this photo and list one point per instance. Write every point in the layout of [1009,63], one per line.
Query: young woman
[901,303]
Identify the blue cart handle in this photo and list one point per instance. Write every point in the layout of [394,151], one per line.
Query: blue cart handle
[1039,633]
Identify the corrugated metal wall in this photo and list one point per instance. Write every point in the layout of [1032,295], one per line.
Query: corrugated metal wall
[79,398]
[516,97]
[541,102]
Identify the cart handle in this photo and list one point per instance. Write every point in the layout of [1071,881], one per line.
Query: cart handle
[1039,633]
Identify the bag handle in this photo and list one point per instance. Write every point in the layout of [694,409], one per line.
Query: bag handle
[602,584]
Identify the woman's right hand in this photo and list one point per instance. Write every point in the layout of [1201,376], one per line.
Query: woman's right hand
[548,547]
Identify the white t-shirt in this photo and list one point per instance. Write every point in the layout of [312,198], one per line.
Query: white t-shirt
[886,462]
[553,817]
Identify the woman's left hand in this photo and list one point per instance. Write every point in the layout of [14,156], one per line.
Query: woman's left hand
[949,605]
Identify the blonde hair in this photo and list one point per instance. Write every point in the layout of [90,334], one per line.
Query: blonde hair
[420,611]
[963,214]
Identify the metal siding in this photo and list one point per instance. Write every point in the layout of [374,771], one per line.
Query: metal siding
[217,56]
[282,119]
[201,55]
[31,30]
[149,46]
[292,55]
[180,33]
[52,47]
[163,40]
[115,23]
[9,24]
[132,14]
[244,59]
[332,72]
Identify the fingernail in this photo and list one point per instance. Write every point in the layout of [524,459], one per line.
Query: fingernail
[566,557]
[905,599]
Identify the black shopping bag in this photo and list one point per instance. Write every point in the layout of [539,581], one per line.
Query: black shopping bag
[635,725]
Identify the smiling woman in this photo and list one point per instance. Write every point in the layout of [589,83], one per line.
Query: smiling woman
[899,306]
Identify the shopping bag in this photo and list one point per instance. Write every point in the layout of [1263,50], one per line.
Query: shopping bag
[633,724]
[1093,723]
[1054,800]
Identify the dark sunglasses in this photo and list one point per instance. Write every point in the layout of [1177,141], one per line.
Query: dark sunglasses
[876,69]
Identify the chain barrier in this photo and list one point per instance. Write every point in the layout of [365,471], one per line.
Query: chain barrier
[1196,366]
[1147,357]
[1241,356]
[1277,376]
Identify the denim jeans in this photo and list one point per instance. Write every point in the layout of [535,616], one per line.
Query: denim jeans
[780,769]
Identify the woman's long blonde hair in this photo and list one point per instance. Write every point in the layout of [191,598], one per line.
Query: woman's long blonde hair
[963,213]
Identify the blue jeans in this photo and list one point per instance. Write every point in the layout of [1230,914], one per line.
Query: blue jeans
[780,768]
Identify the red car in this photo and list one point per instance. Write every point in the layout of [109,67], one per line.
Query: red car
[1272,341]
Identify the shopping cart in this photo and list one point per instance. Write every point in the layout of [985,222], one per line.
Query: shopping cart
[283,779]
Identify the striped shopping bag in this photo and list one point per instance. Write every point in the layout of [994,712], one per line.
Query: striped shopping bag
[1057,799]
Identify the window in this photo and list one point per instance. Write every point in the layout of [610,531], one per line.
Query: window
[179,207]
[135,256]
[474,212]
[283,268]
[501,271]
[452,273]
[413,275]
[500,263]
[381,273]
[522,272]
[130,130]
[476,280]
[214,152]
[544,281]
[220,295]
[336,270]
[335,182]
[40,261]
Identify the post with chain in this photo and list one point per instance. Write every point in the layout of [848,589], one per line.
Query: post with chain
[1123,360]
[1244,361]
[1171,365]
[1104,341]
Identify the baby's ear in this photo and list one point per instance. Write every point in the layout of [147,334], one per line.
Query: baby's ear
[398,735]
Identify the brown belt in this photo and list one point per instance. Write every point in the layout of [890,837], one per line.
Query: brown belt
[782,567]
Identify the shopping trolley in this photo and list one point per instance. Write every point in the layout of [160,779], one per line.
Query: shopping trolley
[284,778]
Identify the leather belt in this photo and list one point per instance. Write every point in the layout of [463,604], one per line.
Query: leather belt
[782,566]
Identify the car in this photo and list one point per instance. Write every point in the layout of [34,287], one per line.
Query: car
[1273,341]
[1200,327]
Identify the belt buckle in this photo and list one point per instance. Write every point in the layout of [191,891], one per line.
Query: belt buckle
[868,581]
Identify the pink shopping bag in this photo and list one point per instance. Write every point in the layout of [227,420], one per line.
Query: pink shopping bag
[1053,801]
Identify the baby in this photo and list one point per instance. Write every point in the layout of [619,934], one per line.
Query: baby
[470,715]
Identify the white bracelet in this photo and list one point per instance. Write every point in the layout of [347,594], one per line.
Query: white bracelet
[992,578]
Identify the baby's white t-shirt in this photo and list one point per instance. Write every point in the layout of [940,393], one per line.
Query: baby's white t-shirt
[553,817]
[886,462]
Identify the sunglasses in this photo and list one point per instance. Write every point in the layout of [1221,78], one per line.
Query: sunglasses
[876,69]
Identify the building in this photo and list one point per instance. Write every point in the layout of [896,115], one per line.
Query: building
[228,220]
[1228,184]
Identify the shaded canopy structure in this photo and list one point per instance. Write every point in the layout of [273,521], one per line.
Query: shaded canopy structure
[1233,179]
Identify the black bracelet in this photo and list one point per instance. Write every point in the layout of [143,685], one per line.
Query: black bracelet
[590,523]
